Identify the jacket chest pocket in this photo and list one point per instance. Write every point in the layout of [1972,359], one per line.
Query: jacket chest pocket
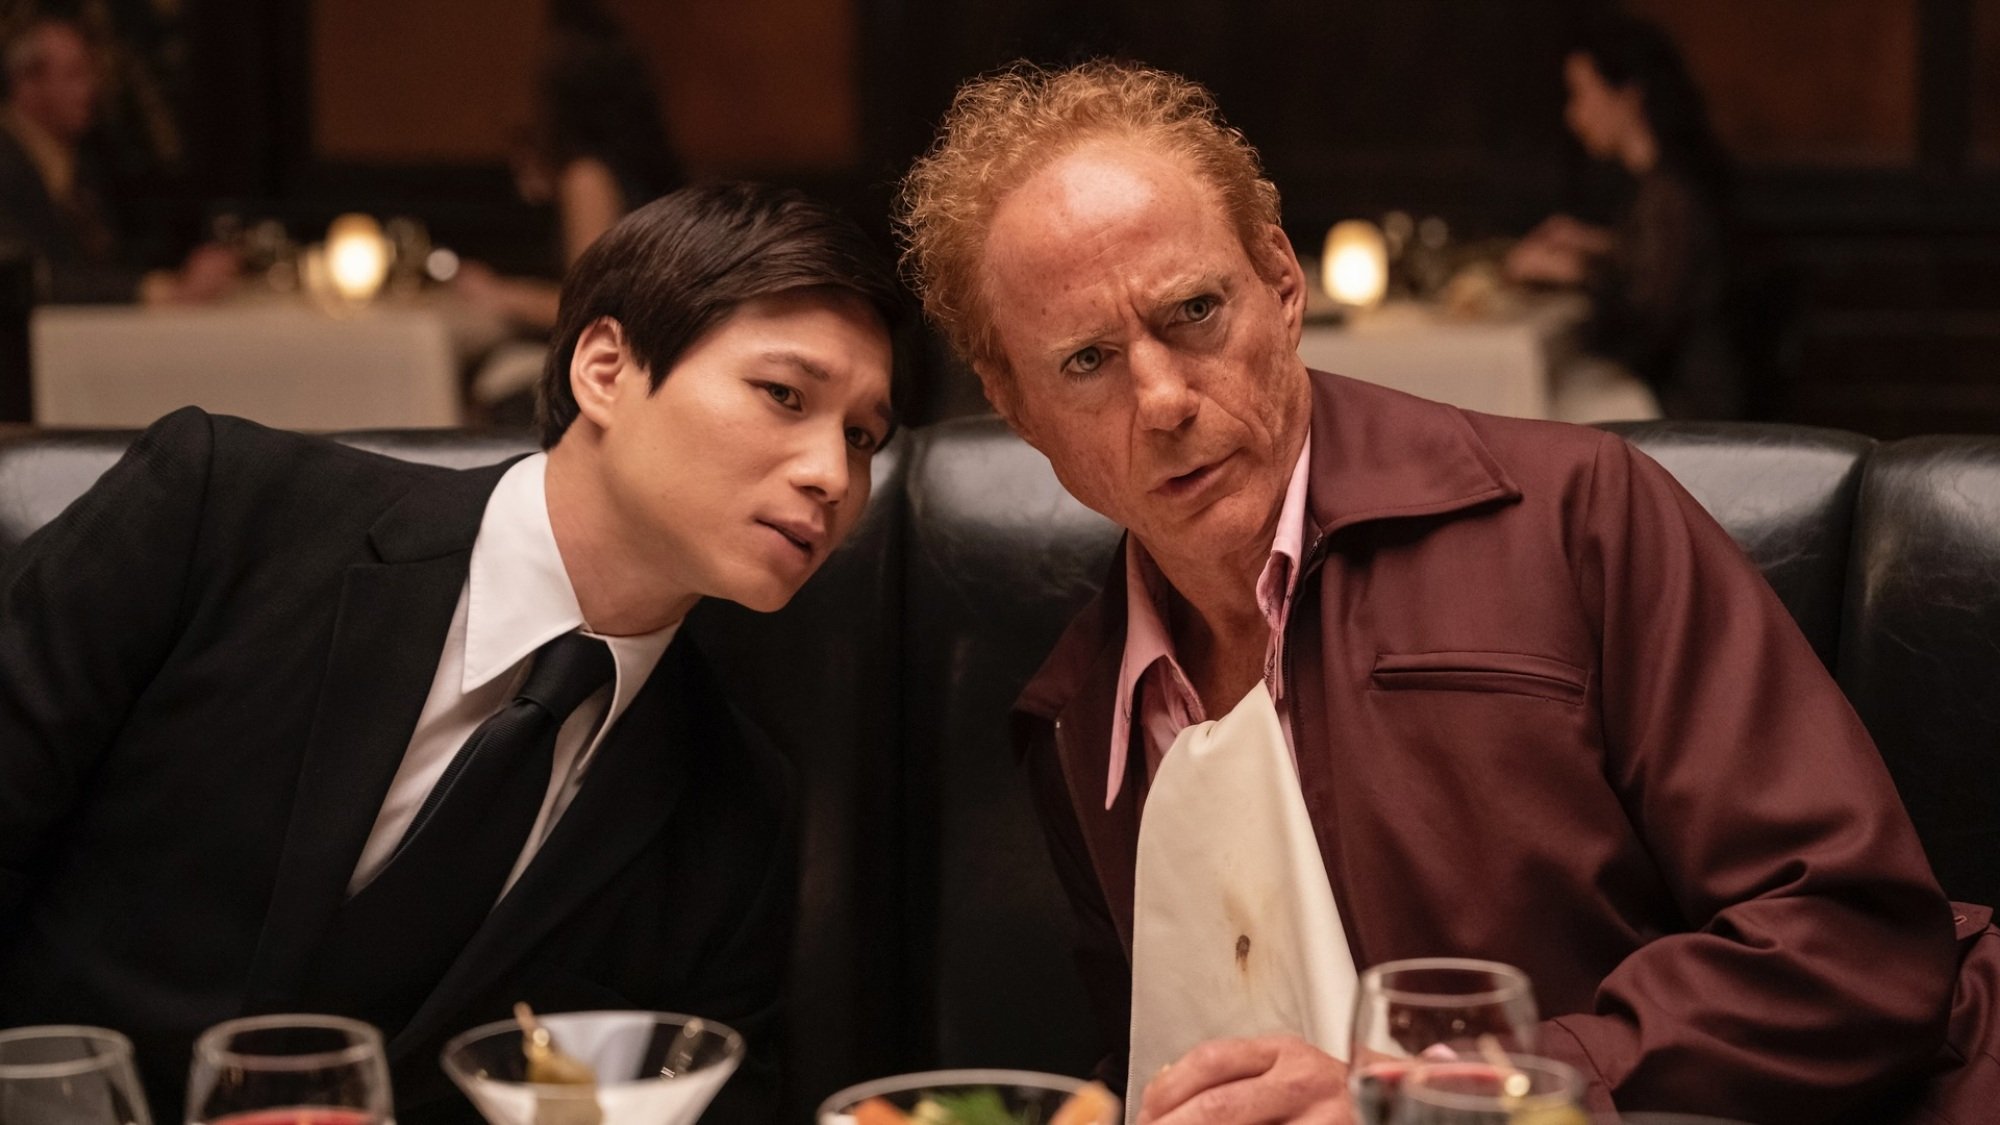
[1507,673]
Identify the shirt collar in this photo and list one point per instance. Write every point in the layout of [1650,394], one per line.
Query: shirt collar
[1147,639]
[519,597]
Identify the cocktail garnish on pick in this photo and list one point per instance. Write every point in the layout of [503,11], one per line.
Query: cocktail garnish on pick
[548,1065]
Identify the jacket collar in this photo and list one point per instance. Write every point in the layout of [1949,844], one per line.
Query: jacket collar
[439,517]
[1377,454]
[1382,454]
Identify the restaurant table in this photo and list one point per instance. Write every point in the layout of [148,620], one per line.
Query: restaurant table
[277,360]
[1516,360]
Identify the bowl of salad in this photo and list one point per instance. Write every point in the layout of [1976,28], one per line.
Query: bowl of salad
[973,1097]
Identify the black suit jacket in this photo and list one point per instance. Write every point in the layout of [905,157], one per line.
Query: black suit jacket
[210,667]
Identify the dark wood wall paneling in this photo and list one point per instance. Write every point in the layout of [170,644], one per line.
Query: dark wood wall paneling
[1897,318]
[1871,212]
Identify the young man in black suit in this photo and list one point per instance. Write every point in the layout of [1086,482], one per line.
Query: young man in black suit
[289,726]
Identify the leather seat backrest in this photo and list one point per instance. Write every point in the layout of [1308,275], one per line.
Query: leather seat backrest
[1786,495]
[1920,651]
[820,676]
[1000,558]
[41,471]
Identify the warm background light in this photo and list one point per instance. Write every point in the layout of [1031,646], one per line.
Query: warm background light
[357,256]
[1354,269]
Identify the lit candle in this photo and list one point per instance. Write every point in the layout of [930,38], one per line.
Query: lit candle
[357,256]
[1354,269]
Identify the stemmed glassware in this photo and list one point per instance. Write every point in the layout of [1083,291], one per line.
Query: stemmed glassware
[649,1068]
[991,1095]
[289,1070]
[1440,1008]
[1511,1090]
[68,1075]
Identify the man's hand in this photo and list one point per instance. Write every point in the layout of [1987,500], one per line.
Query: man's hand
[1574,234]
[1273,1078]
[209,273]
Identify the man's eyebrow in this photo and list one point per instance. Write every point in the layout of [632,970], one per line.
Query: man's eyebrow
[1167,296]
[804,363]
[1191,286]
[1070,345]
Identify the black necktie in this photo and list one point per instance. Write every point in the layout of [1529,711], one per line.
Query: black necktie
[391,942]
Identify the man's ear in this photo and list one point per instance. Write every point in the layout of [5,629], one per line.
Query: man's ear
[1271,253]
[600,358]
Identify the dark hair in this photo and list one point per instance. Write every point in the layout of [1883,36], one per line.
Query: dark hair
[597,101]
[675,268]
[1633,52]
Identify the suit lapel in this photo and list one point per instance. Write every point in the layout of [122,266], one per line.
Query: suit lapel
[393,616]
[628,794]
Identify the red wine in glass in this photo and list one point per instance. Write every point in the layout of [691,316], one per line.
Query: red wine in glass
[303,1115]
[1374,1087]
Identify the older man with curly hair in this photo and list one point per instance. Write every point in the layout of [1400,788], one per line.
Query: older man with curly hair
[1540,708]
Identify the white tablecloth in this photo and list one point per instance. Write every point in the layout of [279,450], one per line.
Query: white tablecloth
[282,363]
[1500,365]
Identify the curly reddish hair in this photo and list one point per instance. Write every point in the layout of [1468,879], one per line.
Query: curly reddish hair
[1004,127]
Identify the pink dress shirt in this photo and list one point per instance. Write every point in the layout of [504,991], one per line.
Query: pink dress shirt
[1169,704]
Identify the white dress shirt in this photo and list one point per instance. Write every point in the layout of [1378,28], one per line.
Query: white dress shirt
[517,597]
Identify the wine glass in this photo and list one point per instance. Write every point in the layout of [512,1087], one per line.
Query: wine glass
[1433,1007]
[289,1070]
[651,1068]
[1509,1090]
[69,1075]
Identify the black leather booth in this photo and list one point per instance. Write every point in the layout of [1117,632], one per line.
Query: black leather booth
[931,931]
[17,300]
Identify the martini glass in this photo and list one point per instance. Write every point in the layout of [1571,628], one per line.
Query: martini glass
[653,1068]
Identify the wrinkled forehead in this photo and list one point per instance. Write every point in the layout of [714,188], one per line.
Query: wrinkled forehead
[1093,205]
[1100,184]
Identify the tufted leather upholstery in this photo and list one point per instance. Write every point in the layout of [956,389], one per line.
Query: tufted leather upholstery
[1000,558]
[821,677]
[17,299]
[41,471]
[1785,493]
[1920,644]
[931,930]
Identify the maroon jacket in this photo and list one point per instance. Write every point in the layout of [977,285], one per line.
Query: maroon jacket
[1547,713]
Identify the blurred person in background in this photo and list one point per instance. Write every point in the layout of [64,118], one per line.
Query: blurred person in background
[53,200]
[598,149]
[1658,278]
